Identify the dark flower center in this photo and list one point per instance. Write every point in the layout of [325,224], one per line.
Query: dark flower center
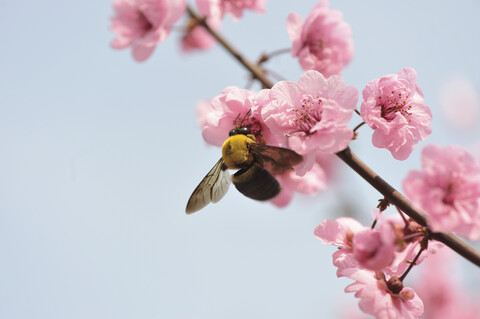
[448,198]
[316,46]
[396,101]
[143,23]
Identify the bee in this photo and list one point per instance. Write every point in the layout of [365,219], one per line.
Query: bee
[255,164]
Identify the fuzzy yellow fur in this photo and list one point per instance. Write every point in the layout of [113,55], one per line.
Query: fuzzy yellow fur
[235,151]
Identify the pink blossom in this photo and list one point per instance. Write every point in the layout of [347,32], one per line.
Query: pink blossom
[323,42]
[312,115]
[312,182]
[196,37]
[232,107]
[144,23]
[378,299]
[448,189]
[374,249]
[393,106]
[338,232]
[216,9]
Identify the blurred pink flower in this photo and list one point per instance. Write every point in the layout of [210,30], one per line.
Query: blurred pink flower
[374,249]
[323,42]
[216,9]
[448,189]
[460,103]
[227,110]
[377,298]
[313,181]
[442,295]
[312,115]
[196,37]
[393,106]
[338,232]
[144,23]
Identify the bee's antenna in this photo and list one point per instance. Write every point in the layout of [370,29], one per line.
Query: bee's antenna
[246,114]
[235,122]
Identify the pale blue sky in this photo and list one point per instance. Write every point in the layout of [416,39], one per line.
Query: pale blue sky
[99,155]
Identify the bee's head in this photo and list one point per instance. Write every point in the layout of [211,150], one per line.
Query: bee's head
[240,130]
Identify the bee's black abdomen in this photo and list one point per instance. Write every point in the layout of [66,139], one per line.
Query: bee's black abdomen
[256,183]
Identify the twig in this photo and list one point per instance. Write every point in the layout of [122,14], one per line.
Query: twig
[358,126]
[270,55]
[256,71]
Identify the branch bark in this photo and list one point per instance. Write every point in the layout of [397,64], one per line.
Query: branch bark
[393,196]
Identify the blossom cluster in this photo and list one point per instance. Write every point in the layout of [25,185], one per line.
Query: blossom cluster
[375,259]
[322,42]
[309,117]
[143,24]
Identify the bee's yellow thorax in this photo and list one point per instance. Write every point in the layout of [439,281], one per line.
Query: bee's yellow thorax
[235,151]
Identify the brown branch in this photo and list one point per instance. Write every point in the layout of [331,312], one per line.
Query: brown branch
[397,199]
[393,196]
[256,71]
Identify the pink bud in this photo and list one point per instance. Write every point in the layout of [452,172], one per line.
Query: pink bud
[374,249]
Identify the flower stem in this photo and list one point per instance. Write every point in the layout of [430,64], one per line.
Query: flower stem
[358,126]
[403,216]
[414,235]
[393,196]
[276,52]
[414,261]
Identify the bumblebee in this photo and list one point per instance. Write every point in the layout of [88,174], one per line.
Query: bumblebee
[255,164]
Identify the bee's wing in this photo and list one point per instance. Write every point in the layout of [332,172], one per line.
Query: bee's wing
[275,159]
[211,189]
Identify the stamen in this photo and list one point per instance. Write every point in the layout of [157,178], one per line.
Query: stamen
[396,102]
[309,113]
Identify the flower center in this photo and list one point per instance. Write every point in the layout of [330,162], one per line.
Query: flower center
[308,114]
[315,46]
[143,23]
[448,198]
[252,123]
[395,102]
